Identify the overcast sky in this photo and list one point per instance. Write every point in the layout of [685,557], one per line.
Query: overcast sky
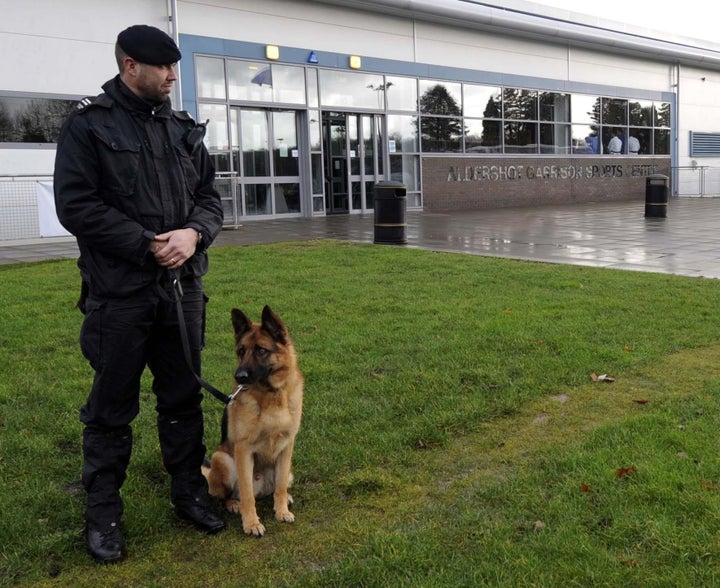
[690,18]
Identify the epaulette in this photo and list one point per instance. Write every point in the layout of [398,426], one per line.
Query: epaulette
[99,100]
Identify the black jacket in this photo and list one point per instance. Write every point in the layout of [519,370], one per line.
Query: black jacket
[124,172]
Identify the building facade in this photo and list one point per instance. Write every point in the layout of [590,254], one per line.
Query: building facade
[310,103]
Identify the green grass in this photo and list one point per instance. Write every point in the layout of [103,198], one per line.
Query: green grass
[452,435]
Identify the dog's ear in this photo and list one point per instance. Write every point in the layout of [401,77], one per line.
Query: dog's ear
[240,322]
[273,325]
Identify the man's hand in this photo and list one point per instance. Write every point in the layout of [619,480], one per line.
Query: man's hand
[174,248]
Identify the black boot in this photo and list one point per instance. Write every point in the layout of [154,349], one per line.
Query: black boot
[105,542]
[192,503]
[181,441]
[106,454]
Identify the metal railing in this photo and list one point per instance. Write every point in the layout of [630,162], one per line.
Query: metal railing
[19,206]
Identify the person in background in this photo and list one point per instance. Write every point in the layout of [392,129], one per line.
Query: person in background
[633,145]
[135,184]
[623,142]
[615,144]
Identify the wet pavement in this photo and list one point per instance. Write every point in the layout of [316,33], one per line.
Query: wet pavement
[609,235]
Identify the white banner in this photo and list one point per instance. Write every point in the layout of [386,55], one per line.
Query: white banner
[49,224]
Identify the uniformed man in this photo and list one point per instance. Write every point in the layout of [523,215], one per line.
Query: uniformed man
[139,197]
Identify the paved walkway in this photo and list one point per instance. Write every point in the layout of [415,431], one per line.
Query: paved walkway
[610,235]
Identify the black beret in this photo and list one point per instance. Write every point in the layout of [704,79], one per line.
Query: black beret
[149,45]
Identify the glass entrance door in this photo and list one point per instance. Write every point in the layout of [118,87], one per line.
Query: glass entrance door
[265,159]
[353,160]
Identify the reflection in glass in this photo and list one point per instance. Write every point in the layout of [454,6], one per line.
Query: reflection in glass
[521,137]
[614,111]
[555,139]
[643,145]
[607,135]
[440,134]
[662,114]
[249,81]
[585,140]
[406,169]
[352,133]
[640,113]
[317,173]
[285,145]
[554,107]
[440,98]
[369,195]
[483,136]
[401,93]
[520,104]
[287,198]
[315,132]
[482,101]
[585,109]
[350,89]
[402,133]
[355,195]
[254,141]
[221,161]
[662,142]
[288,84]
[379,142]
[32,120]
[312,88]
[210,77]
[216,136]
[368,144]
[257,199]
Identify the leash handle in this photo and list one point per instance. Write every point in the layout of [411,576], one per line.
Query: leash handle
[178,291]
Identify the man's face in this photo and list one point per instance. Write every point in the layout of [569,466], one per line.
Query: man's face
[152,82]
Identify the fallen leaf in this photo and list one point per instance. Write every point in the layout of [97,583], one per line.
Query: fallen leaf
[585,487]
[641,401]
[625,472]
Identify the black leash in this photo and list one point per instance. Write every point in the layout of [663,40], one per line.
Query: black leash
[178,294]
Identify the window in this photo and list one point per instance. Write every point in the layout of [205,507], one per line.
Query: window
[614,111]
[520,104]
[402,93]
[352,90]
[210,77]
[482,101]
[32,120]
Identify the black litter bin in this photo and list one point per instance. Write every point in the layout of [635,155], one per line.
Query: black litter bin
[656,196]
[390,204]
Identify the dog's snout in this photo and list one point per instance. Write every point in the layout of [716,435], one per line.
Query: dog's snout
[242,376]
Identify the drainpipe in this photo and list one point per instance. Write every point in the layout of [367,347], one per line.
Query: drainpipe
[175,34]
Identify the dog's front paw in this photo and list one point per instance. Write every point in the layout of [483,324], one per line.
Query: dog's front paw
[254,528]
[285,516]
[232,505]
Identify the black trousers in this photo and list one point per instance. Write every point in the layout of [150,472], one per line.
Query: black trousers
[120,338]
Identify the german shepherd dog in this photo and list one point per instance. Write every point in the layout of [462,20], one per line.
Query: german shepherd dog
[260,424]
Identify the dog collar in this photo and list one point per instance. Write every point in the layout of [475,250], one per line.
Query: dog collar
[237,391]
